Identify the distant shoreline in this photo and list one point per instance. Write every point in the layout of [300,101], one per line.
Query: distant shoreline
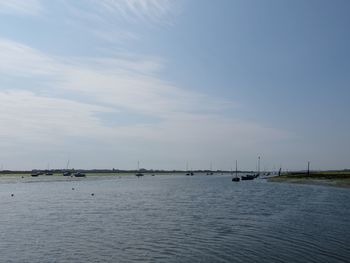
[117,172]
[110,173]
[334,179]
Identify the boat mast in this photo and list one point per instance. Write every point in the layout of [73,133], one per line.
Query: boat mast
[236,168]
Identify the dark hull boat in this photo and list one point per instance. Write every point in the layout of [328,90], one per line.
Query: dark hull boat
[48,171]
[257,175]
[236,178]
[252,176]
[36,173]
[67,173]
[248,177]
[138,174]
[79,174]
[189,173]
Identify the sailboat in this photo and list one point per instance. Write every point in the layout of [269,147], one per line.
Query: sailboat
[252,176]
[236,179]
[211,170]
[258,173]
[79,174]
[36,173]
[67,172]
[138,174]
[189,173]
[248,177]
[48,171]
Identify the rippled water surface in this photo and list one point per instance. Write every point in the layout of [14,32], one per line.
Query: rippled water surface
[171,219]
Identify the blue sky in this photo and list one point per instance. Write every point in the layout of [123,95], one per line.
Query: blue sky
[106,83]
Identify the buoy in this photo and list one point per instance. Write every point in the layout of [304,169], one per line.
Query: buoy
[73,188]
[12,195]
[92,194]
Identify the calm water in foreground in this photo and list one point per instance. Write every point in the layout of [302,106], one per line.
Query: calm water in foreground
[171,219]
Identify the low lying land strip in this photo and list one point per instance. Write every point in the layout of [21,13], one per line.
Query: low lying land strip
[330,178]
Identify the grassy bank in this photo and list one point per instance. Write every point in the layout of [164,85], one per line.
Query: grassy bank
[330,178]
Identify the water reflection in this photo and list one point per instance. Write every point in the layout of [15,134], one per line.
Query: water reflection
[171,219]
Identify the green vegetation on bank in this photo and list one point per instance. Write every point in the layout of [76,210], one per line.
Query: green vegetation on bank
[332,178]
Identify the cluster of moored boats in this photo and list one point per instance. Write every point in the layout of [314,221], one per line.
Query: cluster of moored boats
[72,173]
[36,173]
[65,172]
[245,177]
[248,177]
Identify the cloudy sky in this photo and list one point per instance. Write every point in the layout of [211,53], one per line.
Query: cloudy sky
[105,83]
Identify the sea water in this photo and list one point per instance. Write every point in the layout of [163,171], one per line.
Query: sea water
[171,218]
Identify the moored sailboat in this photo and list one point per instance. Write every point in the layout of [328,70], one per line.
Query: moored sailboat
[138,174]
[79,174]
[67,172]
[252,176]
[236,178]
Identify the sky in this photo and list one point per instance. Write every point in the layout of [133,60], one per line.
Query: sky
[108,83]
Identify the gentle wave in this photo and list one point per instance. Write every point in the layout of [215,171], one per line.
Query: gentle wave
[172,219]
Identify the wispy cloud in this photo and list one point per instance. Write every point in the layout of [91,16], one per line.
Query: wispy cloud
[19,59]
[131,10]
[122,82]
[27,7]
[120,21]
[25,116]
[76,90]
